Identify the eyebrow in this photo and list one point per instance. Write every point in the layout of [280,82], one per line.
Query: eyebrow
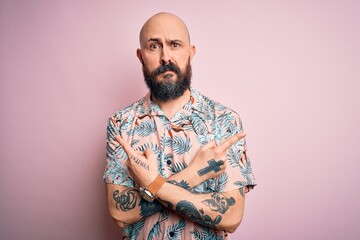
[158,40]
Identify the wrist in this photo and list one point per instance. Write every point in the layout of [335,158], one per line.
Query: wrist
[149,192]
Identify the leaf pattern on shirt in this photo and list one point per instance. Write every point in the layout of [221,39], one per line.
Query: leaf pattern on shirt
[205,234]
[225,120]
[155,231]
[175,141]
[234,155]
[222,182]
[179,144]
[173,232]
[198,124]
[145,128]
[177,167]
[135,228]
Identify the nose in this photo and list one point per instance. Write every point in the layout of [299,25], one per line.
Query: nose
[165,56]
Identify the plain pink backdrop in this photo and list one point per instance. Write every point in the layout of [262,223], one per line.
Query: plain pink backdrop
[289,68]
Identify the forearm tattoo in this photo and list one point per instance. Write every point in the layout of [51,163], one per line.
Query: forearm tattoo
[139,162]
[182,184]
[126,200]
[188,210]
[213,166]
[219,202]
[149,208]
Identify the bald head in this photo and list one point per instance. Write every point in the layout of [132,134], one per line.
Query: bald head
[164,25]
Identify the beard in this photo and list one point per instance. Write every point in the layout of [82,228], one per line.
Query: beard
[167,88]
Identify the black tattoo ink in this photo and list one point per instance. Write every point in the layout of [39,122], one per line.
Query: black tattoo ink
[241,190]
[187,209]
[149,208]
[126,200]
[182,184]
[213,166]
[169,204]
[139,162]
[219,202]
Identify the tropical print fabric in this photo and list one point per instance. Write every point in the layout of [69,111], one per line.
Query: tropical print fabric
[175,142]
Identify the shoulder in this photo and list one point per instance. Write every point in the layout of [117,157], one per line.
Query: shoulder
[127,114]
[215,108]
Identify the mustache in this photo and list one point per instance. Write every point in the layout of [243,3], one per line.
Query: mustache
[164,68]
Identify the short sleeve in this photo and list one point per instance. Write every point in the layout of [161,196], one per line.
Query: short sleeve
[238,171]
[115,168]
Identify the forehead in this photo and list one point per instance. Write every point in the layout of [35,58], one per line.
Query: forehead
[164,27]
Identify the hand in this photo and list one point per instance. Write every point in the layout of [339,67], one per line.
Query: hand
[143,167]
[210,160]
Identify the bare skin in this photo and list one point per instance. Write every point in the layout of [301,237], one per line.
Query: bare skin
[164,38]
[143,169]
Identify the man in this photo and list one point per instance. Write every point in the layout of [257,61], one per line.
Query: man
[176,165]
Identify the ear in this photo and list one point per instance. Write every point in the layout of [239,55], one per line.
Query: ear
[192,51]
[139,55]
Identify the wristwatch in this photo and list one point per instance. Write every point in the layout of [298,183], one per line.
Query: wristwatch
[148,193]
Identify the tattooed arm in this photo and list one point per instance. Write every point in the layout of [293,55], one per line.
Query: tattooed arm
[210,210]
[126,206]
[214,210]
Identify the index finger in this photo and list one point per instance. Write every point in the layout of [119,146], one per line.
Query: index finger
[127,148]
[230,141]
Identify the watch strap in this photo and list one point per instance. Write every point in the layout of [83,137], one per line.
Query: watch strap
[155,186]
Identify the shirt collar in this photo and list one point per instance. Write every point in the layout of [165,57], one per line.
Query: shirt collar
[196,103]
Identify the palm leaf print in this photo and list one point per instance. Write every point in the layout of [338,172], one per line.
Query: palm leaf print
[173,232]
[225,120]
[233,156]
[180,145]
[198,124]
[135,229]
[205,234]
[155,231]
[240,183]
[177,167]
[144,129]
[164,214]
[222,182]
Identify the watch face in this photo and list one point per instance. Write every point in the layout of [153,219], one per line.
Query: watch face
[145,194]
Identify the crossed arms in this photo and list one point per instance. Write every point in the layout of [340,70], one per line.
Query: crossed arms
[222,211]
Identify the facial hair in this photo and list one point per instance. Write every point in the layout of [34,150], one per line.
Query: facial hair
[167,89]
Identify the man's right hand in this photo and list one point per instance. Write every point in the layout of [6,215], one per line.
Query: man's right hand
[210,161]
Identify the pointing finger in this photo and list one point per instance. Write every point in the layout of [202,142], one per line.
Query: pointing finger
[128,149]
[230,141]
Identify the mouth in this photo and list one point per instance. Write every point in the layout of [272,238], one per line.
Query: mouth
[167,75]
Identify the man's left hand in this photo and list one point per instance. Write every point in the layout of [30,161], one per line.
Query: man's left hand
[143,167]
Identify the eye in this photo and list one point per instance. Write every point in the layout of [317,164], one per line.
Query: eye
[175,45]
[154,46]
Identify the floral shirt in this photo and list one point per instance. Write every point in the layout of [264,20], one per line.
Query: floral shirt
[175,142]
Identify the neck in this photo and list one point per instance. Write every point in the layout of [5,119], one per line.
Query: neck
[172,106]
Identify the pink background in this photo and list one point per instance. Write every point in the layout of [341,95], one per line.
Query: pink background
[290,68]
